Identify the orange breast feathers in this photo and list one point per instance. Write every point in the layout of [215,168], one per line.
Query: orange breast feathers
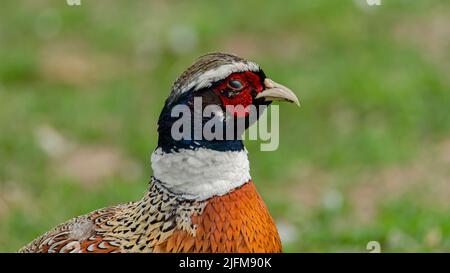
[235,222]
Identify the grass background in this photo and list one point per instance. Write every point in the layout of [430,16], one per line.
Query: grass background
[365,158]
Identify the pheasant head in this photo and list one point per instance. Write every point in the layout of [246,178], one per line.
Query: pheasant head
[198,166]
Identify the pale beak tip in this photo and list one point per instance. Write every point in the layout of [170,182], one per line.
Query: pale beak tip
[275,91]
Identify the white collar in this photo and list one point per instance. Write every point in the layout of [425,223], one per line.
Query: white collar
[202,173]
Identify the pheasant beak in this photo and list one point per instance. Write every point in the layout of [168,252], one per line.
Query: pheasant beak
[275,91]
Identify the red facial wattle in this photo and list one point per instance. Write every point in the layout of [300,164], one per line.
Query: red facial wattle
[238,101]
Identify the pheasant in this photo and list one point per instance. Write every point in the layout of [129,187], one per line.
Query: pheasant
[201,197]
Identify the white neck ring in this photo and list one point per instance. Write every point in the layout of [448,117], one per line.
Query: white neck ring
[202,173]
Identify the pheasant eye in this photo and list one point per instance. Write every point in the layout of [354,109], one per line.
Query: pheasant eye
[235,85]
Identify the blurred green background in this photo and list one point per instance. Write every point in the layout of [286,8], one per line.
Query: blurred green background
[366,158]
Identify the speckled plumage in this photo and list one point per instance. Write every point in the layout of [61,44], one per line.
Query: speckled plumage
[163,222]
[134,227]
